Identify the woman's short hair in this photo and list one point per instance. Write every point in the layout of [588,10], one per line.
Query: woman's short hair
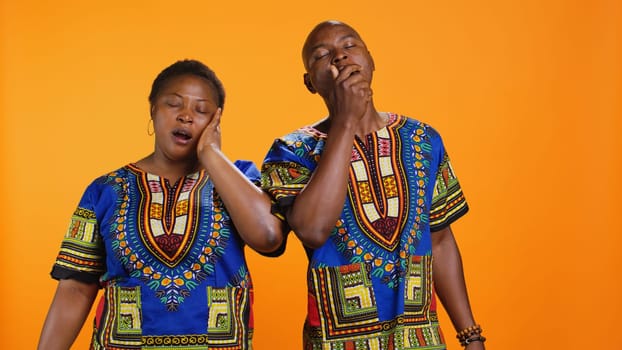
[187,67]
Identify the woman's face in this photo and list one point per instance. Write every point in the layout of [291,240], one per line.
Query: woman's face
[181,111]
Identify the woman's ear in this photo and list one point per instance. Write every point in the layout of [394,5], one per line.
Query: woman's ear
[308,84]
[151,110]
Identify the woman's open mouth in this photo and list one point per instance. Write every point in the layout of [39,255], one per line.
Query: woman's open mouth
[182,136]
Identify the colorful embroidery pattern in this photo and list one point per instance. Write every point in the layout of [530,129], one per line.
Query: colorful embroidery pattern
[290,177]
[348,316]
[376,189]
[159,250]
[394,336]
[401,188]
[171,342]
[172,286]
[80,249]
[449,200]
[119,324]
[387,265]
[346,301]
[169,240]
[418,290]
[228,314]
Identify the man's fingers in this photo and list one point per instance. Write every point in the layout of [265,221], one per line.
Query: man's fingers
[348,73]
[334,71]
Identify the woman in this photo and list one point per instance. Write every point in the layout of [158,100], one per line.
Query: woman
[158,235]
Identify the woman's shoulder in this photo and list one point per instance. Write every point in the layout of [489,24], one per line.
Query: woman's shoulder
[104,188]
[116,176]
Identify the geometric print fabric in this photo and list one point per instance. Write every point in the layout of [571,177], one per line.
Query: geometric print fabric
[115,239]
[401,188]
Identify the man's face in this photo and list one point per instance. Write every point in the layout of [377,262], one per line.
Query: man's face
[336,45]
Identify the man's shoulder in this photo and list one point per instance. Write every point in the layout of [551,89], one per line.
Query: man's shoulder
[415,123]
[306,134]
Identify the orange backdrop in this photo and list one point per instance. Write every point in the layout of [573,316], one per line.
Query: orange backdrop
[525,92]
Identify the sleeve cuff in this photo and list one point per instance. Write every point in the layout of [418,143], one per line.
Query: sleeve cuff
[61,273]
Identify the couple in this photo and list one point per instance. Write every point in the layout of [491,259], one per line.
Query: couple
[371,195]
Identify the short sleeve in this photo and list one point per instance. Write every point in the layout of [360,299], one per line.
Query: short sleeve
[448,202]
[249,169]
[283,175]
[81,255]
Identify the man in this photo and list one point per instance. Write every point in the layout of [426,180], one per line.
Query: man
[371,196]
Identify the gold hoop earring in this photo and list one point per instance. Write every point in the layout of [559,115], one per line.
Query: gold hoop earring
[150,128]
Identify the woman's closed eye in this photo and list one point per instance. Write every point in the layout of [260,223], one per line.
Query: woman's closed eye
[173,102]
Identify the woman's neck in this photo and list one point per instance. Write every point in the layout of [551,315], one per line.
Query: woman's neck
[167,169]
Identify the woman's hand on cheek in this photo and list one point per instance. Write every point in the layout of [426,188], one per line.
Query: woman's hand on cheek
[210,137]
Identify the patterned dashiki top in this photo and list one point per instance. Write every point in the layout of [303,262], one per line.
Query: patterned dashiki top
[169,260]
[370,285]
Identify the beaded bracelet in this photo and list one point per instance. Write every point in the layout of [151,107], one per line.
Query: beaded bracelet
[469,334]
[472,339]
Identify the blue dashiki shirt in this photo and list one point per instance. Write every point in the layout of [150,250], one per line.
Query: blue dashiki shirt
[370,284]
[169,260]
